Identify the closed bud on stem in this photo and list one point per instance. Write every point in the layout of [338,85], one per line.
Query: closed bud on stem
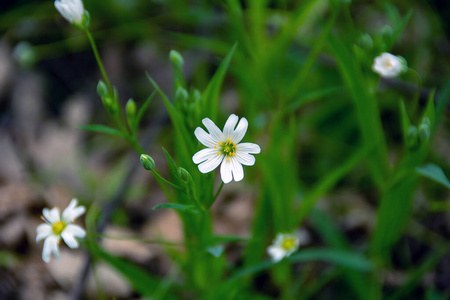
[176,58]
[181,95]
[24,54]
[147,162]
[131,112]
[185,176]
[365,41]
[102,90]
[73,11]
[412,140]
[110,104]
[196,96]
[386,32]
[424,132]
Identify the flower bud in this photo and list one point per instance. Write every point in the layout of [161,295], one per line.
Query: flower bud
[424,132]
[109,104]
[176,58]
[412,140]
[24,54]
[73,11]
[386,32]
[131,108]
[147,162]
[181,95]
[102,90]
[131,112]
[426,120]
[365,41]
[185,176]
[196,96]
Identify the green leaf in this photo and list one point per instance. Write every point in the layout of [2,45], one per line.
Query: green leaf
[172,165]
[429,111]
[406,123]
[435,173]
[217,239]
[140,280]
[366,108]
[342,258]
[177,206]
[187,147]
[143,109]
[101,129]
[210,96]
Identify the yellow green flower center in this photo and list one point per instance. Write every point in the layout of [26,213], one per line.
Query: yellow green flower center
[288,244]
[58,227]
[227,148]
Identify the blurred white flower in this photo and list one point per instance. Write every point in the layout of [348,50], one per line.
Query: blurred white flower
[286,243]
[388,65]
[59,226]
[72,10]
[224,148]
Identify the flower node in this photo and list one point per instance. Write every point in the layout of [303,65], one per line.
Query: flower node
[58,227]
[228,148]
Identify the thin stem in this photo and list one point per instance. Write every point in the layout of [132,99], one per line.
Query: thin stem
[417,94]
[99,61]
[218,192]
[164,180]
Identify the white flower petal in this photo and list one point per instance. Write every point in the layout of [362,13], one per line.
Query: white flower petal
[43,231]
[225,171]
[237,170]
[72,11]
[245,158]
[69,239]
[50,246]
[51,215]
[75,230]
[205,138]
[240,131]
[72,211]
[248,148]
[228,129]
[276,253]
[387,65]
[211,163]
[213,130]
[204,154]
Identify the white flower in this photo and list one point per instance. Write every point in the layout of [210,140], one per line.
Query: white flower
[225,148]
[388,65]
[72,10]
[286,243]
[58,226]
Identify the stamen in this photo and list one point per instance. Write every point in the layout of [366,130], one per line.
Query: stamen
[218,153]
[228,159]
[220,143]
[215,147]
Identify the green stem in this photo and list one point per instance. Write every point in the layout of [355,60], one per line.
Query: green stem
[99,61]
[164,180]
[417,95]
[218,192]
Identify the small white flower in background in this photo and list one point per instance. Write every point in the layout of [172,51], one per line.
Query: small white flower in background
[72,10]
[225,148]
[59,226]
[286,243]
[388,65]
